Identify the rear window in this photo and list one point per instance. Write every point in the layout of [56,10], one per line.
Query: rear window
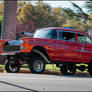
[84,39]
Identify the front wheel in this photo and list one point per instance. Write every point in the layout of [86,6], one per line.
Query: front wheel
[12,67]
[68,69]
[37,65]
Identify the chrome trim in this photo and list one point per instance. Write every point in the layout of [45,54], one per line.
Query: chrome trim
[40,42]
[47,43]
[83,47]
[9,53]
[83,50]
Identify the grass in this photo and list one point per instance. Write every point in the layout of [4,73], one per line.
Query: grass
[1,66]
[52,67]
[49,67]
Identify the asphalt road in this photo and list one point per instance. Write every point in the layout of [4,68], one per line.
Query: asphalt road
[35,82]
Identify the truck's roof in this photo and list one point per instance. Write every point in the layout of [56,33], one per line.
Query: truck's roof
[66,29]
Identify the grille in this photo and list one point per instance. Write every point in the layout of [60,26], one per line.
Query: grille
[11,48]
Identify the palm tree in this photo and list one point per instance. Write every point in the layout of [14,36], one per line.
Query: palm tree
[9,20]
[88,4]
[78,13]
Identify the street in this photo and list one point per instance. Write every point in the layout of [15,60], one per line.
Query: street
[41,82]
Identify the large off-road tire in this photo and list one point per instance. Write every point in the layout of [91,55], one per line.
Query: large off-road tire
[12,67]
[37,65]
[68,69]
[90,68]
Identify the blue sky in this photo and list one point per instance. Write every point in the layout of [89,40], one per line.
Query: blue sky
[64,4]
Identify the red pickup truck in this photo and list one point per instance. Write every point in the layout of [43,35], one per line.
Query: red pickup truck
[61,46]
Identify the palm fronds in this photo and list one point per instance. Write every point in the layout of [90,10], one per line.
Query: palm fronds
[88,5]
[77,12]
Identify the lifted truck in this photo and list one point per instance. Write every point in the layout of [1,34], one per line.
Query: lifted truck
[61,46]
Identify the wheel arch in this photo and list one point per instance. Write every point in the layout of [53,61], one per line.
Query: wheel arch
[40,50]
[90,61]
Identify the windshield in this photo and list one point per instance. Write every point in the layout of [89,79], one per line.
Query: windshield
[46,33]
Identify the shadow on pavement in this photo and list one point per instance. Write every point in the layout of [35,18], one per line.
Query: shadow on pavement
[28,89]
[77,75]
[57,73]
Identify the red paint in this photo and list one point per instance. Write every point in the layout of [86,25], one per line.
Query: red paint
[20,61]
[59,50]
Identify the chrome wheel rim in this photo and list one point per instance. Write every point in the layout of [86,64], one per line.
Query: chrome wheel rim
[13,66]
[70,70]
[38,65]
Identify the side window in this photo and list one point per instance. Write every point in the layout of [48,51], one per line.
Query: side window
[83,38]
[67,36]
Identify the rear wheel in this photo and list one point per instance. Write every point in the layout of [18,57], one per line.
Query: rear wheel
[68,69]
[12,66]
[90,68]
[37,65]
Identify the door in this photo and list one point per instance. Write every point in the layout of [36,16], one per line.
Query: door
[66,47]
[86,51]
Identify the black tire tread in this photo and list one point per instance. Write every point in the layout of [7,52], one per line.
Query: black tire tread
[8,70]
[31,62]
[63,70]
[90,68]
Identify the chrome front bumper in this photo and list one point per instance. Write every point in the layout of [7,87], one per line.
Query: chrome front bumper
[9,53]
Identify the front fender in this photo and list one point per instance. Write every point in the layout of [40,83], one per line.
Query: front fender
[42,55]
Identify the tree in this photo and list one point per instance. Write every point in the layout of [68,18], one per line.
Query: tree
[1,8]
[0,24]
[88,4]
[25,26]
[76,24]
[9,20]
[42,14]
[90,22]
[39,14]
[59,16]
[78,14]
